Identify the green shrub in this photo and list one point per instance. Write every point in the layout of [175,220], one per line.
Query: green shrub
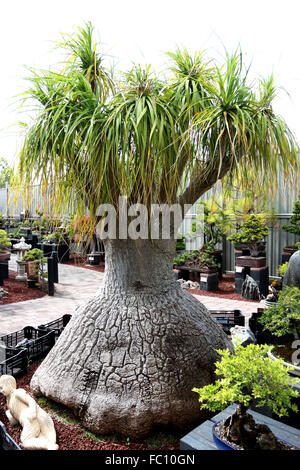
[246,375]
[284,316]
[180,243]
[52,238]
[34,255]
[282,268]
[4,240]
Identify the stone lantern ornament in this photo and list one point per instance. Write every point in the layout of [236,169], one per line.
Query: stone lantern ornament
[21,249]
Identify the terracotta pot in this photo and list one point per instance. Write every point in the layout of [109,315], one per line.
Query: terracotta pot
[4,254]
[32,269]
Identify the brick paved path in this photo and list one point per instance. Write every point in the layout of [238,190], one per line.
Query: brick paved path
[76,285]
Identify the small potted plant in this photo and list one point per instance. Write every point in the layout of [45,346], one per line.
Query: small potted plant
[203,262]
[61,242]
[251,235]
[283,321]
[276,286]
[245,375]
[33,259]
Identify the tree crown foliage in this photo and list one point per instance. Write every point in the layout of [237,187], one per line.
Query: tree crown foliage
[154,140]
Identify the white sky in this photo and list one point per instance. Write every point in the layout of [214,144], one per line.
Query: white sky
[139,31]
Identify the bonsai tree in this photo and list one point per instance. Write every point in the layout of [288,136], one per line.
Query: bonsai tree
[284,316]
[276,285]
[202,259]
[16,233]
[35,259]
[51,238]
[128,359]
[33,255]
[187,256]
[251,234]
[4,241]
[56,237]
[216,221]
[244,376]
[294,226]
[282,268]
[180,242]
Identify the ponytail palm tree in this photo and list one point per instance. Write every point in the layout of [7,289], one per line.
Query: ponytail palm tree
[129,358]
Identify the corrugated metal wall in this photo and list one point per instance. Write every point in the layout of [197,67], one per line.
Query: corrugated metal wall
[282,203]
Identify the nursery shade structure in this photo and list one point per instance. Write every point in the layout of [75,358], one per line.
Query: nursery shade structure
[129,358]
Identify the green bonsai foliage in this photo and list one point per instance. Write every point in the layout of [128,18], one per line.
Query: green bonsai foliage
[16,233]
[180,243]
[282,268]
[253,230]
[34,255]
[180,260]
[199,259]
[294,226]
[284,316]
[52,238]
[4,240]
[206,259]
[216,220]
[246,375]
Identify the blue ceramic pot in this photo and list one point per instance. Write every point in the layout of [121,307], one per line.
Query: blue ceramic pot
[223,445]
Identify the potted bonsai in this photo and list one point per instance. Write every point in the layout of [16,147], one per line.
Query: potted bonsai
[33,259]
[251,235]
[283,321]
[4,246]
[276,286]
[245,375]
[61,242]
[180,244]
[203,262]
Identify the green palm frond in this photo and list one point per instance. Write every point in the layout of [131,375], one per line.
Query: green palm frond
[152,140]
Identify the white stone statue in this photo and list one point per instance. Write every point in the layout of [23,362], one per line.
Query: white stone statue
[38,429]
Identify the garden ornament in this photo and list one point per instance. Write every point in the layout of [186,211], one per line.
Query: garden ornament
[38,429]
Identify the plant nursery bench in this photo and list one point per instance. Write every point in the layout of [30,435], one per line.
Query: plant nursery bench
[201,438]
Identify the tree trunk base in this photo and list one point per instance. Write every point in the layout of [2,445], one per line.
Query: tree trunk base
[241,429]
[127,361]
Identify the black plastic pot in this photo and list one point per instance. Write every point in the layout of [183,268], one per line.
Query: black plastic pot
[32,283]
[94,259]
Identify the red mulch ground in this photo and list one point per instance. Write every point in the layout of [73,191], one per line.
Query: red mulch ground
[74,436]
[18,291]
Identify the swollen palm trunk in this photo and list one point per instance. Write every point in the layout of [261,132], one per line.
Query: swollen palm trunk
[129,358]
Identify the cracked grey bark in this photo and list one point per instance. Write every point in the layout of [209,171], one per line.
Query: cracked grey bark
[128,359]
